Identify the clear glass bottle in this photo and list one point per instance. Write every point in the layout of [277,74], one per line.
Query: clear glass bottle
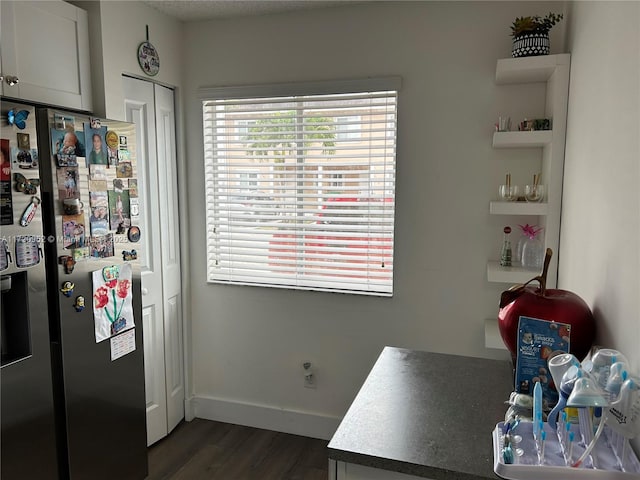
[505,253]
[526,231]
[533,251]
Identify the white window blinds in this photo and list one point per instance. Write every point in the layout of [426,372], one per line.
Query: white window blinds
[300,190]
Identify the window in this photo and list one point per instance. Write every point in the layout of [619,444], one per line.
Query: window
[300,185]
[348,128]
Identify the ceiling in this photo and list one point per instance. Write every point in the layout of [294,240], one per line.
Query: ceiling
[190,10]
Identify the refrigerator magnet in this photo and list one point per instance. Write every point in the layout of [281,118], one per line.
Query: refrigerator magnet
[67,289]
[133,234]
[30,212]
[28,186]
[23,141]
[128,255]
[5,256]
[111,138]
[67,262]
[110,273]
[134,207]
[64,122]
[79,305]
[27,251]
[18,118]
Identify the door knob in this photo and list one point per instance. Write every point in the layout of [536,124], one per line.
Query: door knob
[11,80]
[145,291]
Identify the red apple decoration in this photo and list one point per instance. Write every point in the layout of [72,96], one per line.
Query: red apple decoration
[546,304]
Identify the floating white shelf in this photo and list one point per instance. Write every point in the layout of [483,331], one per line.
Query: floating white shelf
[499,274]
[538,138]
[492,338]
[529,69]
[518,208]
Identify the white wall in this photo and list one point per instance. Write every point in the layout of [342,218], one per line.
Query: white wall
[116,29]
[249,343]
[600,241]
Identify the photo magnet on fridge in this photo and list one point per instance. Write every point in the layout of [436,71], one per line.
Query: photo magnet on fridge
[118,185]
[101,247]
[124,170]
[112,156]
[66,146]
[97,172]
[99,219]
[96,145]
[73,230]
[23,141]
[68,180]
[6,198]
[98,186]
[64,122]
[133,187]
[119,209]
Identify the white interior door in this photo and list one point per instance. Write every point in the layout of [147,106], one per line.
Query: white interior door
[170,241]
[153,114]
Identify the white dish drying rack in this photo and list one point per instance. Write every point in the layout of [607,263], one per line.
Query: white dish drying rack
[603,462]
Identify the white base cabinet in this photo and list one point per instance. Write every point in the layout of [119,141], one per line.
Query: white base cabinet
[351,471]
[44,51]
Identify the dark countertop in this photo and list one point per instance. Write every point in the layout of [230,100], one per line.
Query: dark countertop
[426,414]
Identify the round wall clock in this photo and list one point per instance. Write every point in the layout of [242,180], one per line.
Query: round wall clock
[148,58]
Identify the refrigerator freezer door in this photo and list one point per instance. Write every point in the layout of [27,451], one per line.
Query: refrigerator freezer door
[28,439]
[104,399]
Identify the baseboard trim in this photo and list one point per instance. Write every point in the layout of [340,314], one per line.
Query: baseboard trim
[263,416]
[189,408]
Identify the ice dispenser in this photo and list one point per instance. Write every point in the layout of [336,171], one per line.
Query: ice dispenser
[15,332]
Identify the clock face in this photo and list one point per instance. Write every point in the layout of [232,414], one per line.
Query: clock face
[148,58]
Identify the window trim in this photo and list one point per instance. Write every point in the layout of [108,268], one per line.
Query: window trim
[302,88]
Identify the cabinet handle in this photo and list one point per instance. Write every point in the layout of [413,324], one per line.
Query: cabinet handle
[145,291]
[1,78]
[11,80]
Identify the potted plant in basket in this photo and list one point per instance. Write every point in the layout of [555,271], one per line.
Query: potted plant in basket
[531,34]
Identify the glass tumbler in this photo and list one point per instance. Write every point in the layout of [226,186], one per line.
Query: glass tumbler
[508,193]
[534,193]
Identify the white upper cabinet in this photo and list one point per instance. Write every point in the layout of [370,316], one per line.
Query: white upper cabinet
[45,53]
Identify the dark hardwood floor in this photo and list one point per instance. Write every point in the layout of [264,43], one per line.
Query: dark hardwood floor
[202,449]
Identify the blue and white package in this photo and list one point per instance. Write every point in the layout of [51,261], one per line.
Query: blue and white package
[538,341]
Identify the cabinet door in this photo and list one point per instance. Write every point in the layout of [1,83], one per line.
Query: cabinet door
[351,471]
[46,46]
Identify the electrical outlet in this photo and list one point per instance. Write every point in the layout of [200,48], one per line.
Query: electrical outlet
[309,380]
[309,376]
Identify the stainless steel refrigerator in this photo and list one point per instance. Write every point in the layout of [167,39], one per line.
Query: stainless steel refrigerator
[72,375]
